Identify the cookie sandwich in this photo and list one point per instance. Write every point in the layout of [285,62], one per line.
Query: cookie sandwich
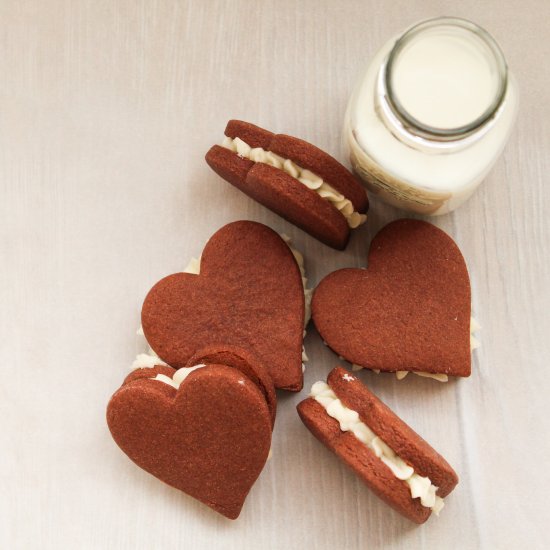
[246,291]
[384,452]
[294,179]
[409,310]
[204,429]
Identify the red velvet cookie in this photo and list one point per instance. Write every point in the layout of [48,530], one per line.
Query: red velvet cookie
[408,311]
[209,437]
[244,361]
[293,178]
[248,294]
[386,454]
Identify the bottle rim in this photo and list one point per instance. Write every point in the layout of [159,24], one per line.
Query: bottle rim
[415,126]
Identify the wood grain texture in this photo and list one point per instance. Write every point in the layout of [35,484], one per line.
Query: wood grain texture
[106,111]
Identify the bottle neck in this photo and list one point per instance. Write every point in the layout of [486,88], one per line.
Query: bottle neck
[441,86]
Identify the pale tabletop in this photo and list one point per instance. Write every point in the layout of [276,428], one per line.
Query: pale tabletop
[106,111]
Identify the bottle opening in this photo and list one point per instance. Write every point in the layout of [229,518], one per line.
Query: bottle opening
[445,78]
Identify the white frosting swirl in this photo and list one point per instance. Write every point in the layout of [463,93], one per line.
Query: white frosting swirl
[420,487]
[308,178]
[178,377]
[474,326]
[440,377]
[147,361]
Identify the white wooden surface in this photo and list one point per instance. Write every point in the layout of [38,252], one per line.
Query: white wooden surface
[106,110]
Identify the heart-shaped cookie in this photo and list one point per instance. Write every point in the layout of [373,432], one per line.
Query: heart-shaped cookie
[244,361]
[249,294]
[408,311]
[203,430]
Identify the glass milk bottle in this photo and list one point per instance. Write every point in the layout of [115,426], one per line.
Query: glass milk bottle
[431,115]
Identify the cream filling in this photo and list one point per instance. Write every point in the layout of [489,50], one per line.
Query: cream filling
[178,377]
[308,292]
[400,374]
[147,361]
[474,327]
[308,178]
[419,486]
